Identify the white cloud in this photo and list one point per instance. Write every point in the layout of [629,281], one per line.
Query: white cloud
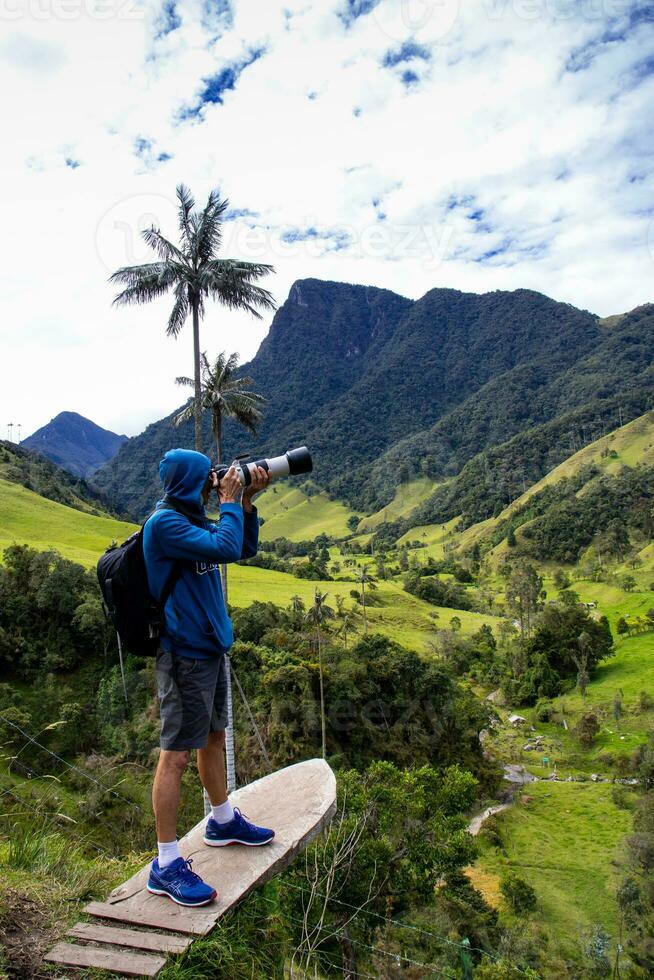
[29,55]
[518,158]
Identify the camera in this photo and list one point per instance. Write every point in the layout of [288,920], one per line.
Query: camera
[292,463]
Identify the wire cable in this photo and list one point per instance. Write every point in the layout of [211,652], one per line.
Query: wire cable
[51,817]
[334,933]
[251,717]
[403,925]
[69,765]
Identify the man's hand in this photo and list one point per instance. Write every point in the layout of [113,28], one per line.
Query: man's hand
[229,488]
[260,480]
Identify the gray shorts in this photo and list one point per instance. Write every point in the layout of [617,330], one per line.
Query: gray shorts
[192,699]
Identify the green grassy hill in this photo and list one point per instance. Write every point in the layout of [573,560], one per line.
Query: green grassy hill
[630,445]
[28,518]
[35,472]
[564,839]
[400,616]
[44,524]
[290,513]
[407,497]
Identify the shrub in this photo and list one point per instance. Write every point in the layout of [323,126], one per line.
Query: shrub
[544,710]
[518,893]
[645,701]
[588,729]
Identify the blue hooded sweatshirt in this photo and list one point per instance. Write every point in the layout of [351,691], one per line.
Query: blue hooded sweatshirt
[196,620]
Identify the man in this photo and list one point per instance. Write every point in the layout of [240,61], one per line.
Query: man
[183,548]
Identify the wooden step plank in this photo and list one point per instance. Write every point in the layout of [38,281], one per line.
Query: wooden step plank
[297,802]
[154,942]
[157,916]
[116,960]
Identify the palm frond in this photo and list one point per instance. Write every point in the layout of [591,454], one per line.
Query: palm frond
[186,413]
[143,282]
[187,382]
[180,310]
[233,285]
[208,230]
[251,271]
[208,374]
[130,274]
[224,369]
[242,386]
[243,411]
[186,205]
[166,251]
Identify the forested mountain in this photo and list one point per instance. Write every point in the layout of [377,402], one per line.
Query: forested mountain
[35,472]
[383,388]
[75,443]
[601,496]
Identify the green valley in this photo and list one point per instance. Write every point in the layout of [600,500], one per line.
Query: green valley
[464,611]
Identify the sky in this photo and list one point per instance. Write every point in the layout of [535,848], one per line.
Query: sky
[410,144]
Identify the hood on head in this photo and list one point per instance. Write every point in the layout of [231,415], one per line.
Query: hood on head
[184,473]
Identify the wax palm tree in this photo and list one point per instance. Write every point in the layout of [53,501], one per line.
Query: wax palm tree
[194,274]
[297,606]
[585,643]
[318,614]
[346,627]
[364,578]
[225,395]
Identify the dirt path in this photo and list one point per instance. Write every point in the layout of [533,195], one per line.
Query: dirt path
[516,776]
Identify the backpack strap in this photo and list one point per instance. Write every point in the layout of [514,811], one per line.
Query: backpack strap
[173,579]
[176,573]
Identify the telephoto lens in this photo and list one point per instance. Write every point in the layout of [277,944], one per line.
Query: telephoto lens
[292,463]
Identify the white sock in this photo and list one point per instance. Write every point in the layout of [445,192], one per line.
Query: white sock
[168,852]
[223,813]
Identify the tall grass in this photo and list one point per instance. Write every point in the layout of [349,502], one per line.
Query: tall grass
[249,942]
[35,848]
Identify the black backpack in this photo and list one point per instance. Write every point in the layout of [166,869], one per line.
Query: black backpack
[135,613]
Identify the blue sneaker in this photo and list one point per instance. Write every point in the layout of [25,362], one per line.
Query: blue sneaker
[237,831]
[178,882]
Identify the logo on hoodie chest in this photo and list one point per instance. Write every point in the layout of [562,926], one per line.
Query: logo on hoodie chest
[204,567]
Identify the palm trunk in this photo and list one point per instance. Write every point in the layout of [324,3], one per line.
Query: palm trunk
[217,431]
[322,698]
[197,405]
[218,435]
[363,603]
[230,753]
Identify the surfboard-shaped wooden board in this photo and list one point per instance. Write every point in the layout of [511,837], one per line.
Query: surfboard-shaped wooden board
[297,802]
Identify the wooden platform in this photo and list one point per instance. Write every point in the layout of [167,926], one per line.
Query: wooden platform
[297,802]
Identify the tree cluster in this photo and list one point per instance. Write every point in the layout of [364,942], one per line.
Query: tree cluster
[51,616]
